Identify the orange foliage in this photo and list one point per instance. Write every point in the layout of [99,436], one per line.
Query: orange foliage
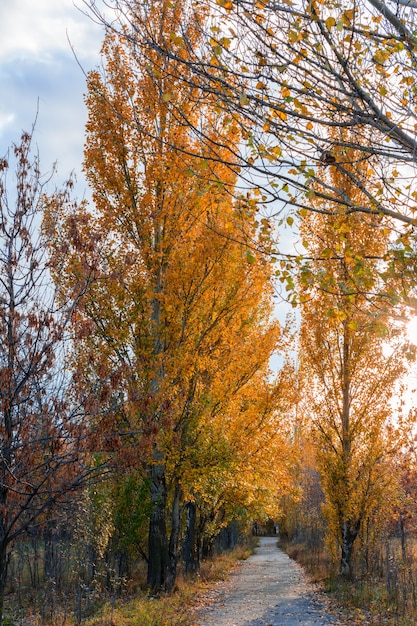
[182,313]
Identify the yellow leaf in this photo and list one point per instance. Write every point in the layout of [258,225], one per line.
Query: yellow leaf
[381,56]
[330,22]
[225,42]
[348,15]
[281,114]
[226,4]
[177,39]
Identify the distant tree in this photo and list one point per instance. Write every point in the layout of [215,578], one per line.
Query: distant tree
[43,452]
[238,467]
[403,523]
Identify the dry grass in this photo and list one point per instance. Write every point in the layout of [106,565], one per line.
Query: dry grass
[137,608]
[173,609]
[315,562]
[384,596]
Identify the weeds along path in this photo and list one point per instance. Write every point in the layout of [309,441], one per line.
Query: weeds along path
[269,589]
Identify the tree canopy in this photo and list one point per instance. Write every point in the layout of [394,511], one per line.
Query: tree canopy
[294,72]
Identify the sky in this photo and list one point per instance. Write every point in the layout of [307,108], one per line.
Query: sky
[41,78]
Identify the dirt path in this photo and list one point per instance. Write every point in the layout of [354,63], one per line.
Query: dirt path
[269,589]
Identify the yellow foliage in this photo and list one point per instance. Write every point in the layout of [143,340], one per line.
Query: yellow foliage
[348,380]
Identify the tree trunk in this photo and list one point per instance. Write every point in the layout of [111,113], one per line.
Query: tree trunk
[207,547]
[157,538]
[403,540]
[191,551]
[349,535]
[174,540]
[4,562]
[52,563]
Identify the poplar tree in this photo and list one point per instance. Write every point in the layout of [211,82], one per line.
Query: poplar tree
[177,325]
[350,354]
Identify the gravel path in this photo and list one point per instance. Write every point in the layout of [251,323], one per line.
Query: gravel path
[269,589]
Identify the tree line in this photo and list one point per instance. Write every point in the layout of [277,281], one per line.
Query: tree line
[138,328]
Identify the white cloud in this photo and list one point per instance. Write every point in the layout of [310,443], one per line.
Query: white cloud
[39,76]
[5,120]
[39,29]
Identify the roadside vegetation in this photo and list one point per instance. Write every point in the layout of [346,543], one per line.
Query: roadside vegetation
[383,589]
[128,604]
[384,596]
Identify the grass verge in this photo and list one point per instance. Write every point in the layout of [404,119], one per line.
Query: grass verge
[364,600]
[176,608]
[138,608]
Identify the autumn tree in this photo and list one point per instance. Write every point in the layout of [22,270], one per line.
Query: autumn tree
[176,330]
[295,71]
[403,521]
[351,357]
[42,446]
[239,467]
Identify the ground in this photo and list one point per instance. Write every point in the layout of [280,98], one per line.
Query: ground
[269,589]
